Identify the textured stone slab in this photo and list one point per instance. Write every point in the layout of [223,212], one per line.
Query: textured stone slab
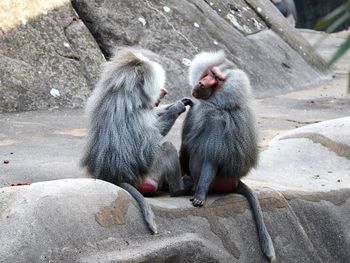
[86,220]
[48,58]
[311,158]
[253,33]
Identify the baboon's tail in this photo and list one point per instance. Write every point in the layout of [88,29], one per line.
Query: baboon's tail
[264,236]
[144,206]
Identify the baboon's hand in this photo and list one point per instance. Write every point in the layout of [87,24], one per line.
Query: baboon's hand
[187,101]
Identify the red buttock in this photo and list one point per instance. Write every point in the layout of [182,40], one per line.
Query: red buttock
[149,186]
[221,185]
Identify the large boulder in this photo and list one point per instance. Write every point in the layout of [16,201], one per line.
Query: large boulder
[86,220]
[48,58]
[312,158]
[253,33]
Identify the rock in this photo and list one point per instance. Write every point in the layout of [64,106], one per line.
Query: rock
[312,158]
[325,219]
[45,221]
[86,220]
[253,33]
[48,57]
[41,145]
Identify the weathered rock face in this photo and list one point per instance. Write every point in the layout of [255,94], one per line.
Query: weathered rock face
[86,220]
[48,58]
[309,12]
[252,32]
[313,158]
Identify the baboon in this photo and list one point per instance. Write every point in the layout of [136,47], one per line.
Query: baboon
[219,140]
[124,144]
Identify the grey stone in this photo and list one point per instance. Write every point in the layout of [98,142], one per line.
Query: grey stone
[48,58]
[253,33]
[47,145]
[86,220]
[41,145]
[81,220]
[312,158]
[317,214]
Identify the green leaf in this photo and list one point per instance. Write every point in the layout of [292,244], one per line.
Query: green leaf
[335,24]
[326,21]
[341,51]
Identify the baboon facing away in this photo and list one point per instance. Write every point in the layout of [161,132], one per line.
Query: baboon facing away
[219,140]
[124,144]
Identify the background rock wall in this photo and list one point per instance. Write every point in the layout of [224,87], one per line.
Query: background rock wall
[94,221]
[49,58]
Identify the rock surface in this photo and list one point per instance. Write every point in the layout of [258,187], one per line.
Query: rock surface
[86,220]
[312,158]
[48,58]
[41,146]
[253,33]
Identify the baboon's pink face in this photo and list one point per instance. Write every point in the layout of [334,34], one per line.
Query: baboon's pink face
[211,81]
